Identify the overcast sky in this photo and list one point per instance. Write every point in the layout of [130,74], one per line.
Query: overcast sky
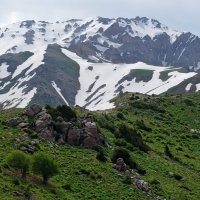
[178,14]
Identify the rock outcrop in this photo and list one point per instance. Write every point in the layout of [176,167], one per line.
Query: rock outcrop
[59,131]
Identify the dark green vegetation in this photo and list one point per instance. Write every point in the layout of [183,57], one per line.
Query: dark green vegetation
[19,160]
[45,166]
[165,75]
[139,75]
[158,136]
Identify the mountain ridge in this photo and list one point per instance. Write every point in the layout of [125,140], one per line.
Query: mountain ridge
[38,59]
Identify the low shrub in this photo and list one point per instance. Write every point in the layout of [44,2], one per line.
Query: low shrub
[141,125]
[132,136]
[127,180]
[101,157]
[67,187]
[168,152]
[64,111]
[120,142]
[16,181]
[120,116]
[189,102]
[178,177]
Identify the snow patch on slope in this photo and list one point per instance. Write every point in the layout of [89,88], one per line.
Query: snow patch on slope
[103,88]
[58,90]
[18,96]
[4,70]
[188,87]
[33,62]
[197,87]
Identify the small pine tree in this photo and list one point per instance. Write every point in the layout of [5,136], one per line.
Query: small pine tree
[19,160]
[45,166]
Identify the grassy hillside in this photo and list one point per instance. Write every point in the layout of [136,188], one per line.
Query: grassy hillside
[160,133]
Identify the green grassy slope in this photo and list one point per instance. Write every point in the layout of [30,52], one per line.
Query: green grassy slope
[81,175]
[161,121]
[168,120]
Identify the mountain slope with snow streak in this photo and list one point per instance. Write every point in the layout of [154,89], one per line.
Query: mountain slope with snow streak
[99,81]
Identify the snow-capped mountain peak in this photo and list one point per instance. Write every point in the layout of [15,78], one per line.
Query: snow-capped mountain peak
[72,61]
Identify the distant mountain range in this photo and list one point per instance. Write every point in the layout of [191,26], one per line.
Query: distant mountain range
[88,62]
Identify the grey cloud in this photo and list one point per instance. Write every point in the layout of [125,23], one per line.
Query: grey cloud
[179,14]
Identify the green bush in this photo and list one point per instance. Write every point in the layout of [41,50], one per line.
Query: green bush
[16,181]
[105,122]
[67,187]
[189,102]
[85,171]
[178,177]
[121,153]
[132,136]
[120,142]
[168,152]
[155,182]
[44,165]
[141,125]
[101,157]
[147,106]
[27,192]
[156,186]
[127,180]
[66,112]
[120,116]
[19,160]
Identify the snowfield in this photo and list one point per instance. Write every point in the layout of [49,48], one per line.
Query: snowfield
[105,76]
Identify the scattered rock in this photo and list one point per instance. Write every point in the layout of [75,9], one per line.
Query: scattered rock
[25,136]
[121,165]
[28,149]
[127,173]
[23,125]
[18,194]
[60,119]
[33,110]
[141,184]
[12,122]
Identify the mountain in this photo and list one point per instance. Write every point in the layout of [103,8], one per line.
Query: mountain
[88,62]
